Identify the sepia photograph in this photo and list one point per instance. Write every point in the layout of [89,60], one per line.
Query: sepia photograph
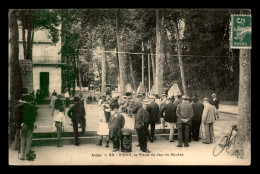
[129,86]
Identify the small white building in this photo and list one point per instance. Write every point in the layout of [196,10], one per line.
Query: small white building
[46,62]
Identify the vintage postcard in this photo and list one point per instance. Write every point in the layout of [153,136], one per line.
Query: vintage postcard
[129,87]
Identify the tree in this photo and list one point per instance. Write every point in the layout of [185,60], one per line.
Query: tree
[179,48]
[122,57]
[159,52]
[16,84]
[244,99]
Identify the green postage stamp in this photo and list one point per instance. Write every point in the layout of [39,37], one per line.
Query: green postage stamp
[241,32]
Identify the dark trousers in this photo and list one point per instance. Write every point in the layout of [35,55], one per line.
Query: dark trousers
[196,130]
[67,102]
[116,142]
[143,137]
[76,133]
[58,125]
[183,133]
[151,135]
[83,125]
[26,140]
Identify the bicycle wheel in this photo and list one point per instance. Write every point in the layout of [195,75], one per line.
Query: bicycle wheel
[231,142]
[220,145]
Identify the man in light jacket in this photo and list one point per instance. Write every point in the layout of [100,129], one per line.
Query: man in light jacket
[208,118]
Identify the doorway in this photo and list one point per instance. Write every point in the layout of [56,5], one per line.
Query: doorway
[44,83]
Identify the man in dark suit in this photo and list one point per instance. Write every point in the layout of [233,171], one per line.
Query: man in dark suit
[196,120]
[115,124]
[77,114]
[169,111]
[184,114]
[137,106]
[153,109]
[142,123]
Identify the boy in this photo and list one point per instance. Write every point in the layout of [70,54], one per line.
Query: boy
[59,121]
[116,123]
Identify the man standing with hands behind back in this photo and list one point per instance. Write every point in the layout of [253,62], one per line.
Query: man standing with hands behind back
[184,113]
[77,115]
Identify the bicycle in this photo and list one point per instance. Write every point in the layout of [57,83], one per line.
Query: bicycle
[225,141]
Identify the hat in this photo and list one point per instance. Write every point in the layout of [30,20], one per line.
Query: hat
[206,99]
[163,94]
[213,94]
[76,99]
[146,102]
[185,97]
[194,98]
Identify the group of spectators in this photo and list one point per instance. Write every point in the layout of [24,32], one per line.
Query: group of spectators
[186,113]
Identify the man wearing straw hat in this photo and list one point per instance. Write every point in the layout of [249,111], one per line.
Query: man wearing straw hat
[184,113]
[142,123]
[208,118]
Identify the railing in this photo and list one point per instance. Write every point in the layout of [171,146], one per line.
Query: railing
[46,60]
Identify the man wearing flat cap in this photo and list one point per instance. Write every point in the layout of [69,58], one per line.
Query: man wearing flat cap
[77,115]
[208,118]
[142,123]
[184,113]
[196,120]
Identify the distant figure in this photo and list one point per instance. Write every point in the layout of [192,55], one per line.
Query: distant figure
[38,96]
[184,113]
[67,99]
[215,102]
[90,99]
[53,98]
[77,115]
[116,123]
[54,93]
[94,99]
[196,120]
[177,100]
[208,118]
[59,121]
[169,110]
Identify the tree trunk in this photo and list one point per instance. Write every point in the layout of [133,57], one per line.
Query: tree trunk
[244,101]
[104,76]
[16,84]
[122,59]
[132,72]
[79,74]
[159,54]
[23,37]
[153,63]
[179,48]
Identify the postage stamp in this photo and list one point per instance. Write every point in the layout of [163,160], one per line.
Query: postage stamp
[241,32]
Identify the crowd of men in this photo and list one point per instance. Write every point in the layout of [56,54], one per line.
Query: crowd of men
[186,113]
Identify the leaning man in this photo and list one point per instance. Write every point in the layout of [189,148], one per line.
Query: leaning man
[27,126]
